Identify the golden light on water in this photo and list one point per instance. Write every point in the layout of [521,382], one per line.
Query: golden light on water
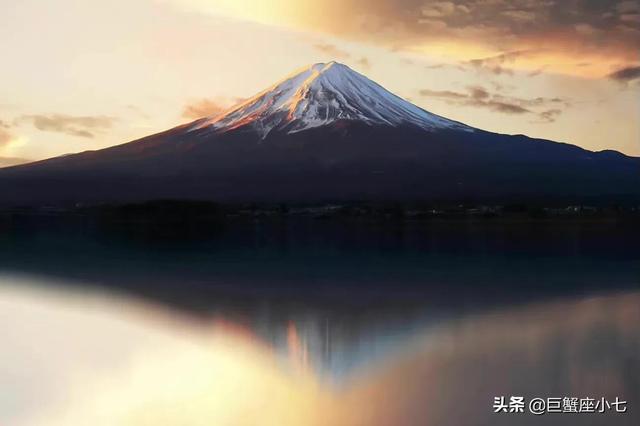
[226,382]
[167,371]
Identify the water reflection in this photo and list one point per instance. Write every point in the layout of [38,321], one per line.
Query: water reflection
[77,358]
[301,323]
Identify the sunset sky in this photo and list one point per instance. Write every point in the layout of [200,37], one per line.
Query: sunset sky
[86,74]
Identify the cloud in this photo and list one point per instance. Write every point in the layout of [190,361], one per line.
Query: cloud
[207,107]
[332,50]
[443,94]
[441,9]
[137,110]
[335,52]
[364,63]
[497,64]
[5,136]
[628,6]
[549,116]
[536,72]
[603,32]
[626,74]
[524,16]
[79,126]
[480,97]
[504,107]
[478,92]
[7,140]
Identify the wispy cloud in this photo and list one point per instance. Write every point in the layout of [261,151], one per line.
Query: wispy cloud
[602,32]
[550,115]
[79,126]
[497,64]
[444,94]
[8,138]
[626,74]
[334,52]
[546,109]
[5,137]
[570,31]
[207,107]
[364,63]
[540,70]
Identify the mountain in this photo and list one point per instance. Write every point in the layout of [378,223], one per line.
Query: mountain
[322,95]
[327,133]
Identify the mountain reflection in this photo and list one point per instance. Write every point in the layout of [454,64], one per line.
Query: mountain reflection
[73,358]
[316,323]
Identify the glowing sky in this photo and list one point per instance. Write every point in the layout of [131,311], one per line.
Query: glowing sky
[79,75]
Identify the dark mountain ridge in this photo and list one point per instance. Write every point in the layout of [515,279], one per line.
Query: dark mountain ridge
[315,142]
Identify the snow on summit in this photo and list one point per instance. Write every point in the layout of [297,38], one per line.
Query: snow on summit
[320,95]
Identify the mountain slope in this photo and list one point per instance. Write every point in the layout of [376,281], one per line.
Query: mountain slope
[323,94]
[327,133]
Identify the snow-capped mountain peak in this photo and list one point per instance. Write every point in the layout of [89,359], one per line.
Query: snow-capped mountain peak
[320,95]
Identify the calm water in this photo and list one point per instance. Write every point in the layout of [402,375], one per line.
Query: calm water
[311,323]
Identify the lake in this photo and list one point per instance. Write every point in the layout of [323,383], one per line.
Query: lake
[305,322]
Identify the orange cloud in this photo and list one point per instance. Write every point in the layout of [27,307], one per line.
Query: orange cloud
[566,35]
[5,136]
[207,107]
